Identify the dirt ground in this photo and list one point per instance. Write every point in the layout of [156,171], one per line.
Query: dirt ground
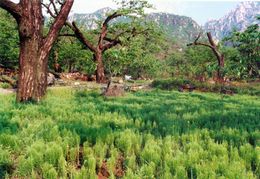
[6,91]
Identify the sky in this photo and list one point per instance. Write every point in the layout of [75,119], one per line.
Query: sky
[200,10]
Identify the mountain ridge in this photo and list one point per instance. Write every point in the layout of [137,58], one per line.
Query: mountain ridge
[184,28]
[176,26]
[239,18]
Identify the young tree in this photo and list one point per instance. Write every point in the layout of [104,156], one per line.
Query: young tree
[34,47]
[132,9]
[213,46]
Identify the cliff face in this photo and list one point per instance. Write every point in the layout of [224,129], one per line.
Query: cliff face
[240,18]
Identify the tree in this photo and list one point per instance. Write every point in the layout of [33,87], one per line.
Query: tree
[132,9]
[213,46]
[34,47]
[137,59]
[247,43]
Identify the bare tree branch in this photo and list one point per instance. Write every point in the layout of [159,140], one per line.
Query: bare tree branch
[212,45]
[104,29]
[11,7]
[58,23]
[54,7]
[80,36]
[67,35]
[110,45]
[47,7]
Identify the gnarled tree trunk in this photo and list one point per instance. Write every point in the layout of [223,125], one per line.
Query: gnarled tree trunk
[220,57]
[100,71]
[34,48]
[104,44]
[32,72]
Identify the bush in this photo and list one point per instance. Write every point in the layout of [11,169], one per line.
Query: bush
[175,84]
[5,85]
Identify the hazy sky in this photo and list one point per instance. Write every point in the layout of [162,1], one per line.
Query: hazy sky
[199,10]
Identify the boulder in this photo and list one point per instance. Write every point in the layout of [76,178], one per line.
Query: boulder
[127,77]
[118,80]
[50,79]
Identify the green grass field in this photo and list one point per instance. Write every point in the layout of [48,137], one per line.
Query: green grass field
[157,134]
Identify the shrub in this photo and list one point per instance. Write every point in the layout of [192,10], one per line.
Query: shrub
[5,85]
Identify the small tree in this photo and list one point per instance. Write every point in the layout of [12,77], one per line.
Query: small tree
[109,38]
[34,47]
[213,46]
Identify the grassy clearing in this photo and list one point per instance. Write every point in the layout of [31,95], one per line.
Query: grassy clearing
[158,134]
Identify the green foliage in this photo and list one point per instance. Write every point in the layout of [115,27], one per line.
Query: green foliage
[5,85]
[137,55]
[156,134]
[176,83]
[247,45]
[49,171]
[192,62]
[71,56]
[9,47]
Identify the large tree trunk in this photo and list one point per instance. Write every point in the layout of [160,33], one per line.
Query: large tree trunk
[100,71]
[34,48]
[32,82]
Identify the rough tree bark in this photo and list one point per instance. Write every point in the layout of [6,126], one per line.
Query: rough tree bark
[220,57]
[34,47]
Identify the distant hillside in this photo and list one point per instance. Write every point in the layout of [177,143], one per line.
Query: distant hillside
[89,21]
[239,18]
[180,28]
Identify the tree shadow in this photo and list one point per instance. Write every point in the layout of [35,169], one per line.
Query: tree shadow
[6,126]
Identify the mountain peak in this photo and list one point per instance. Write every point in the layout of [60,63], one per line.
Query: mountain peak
[104,10]
[239,18]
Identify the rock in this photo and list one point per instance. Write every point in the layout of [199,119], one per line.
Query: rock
[50,79]
[120,81]
[60,82]
[92,78]
[127,77]
[137,88]
[114,90]
[77,83]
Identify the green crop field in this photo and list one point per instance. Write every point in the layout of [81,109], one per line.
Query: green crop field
[156,134]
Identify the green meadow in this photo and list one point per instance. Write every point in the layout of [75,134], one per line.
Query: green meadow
[155,134]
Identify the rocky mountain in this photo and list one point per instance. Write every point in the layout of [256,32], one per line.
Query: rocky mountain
[177,27]
[90,21]
[239,18]
[181,28]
